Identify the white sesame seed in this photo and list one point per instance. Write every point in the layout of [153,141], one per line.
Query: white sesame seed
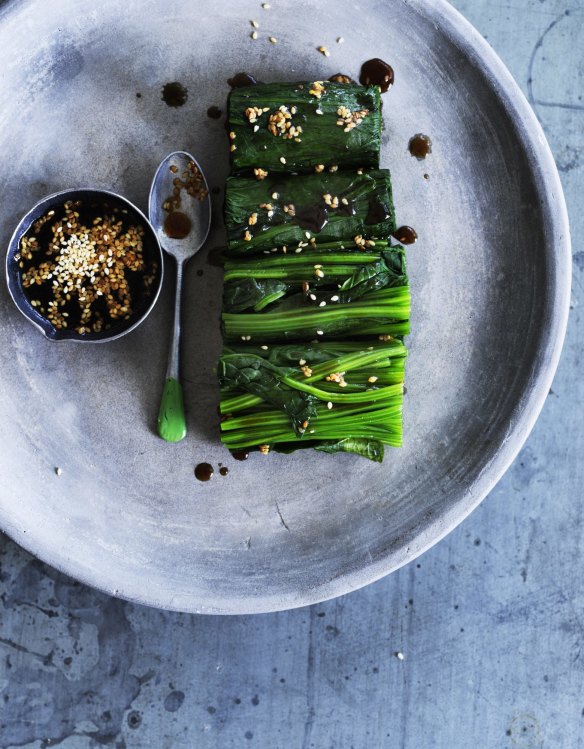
[302,362]
[282,160]
[58,471]
[320,332]
[256,128]
[399,655]
[313,297]
[254,35]
[319,111]
[255,24]
[265,348]
[275,196]
[298,250]
[329,405]
[266,6]
[322,304]
[273,40]
[334,298]
[340,40]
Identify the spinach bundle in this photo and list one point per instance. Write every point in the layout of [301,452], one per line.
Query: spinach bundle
[303,210]
[293,127]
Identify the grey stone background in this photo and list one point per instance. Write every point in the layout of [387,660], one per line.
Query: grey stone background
[490,621]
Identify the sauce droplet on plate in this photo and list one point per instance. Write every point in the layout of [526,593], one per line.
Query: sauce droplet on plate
[420,146]
[242,79]
[214,112]
[224,471]
[177,225]
[204,471]
[405,235]
[174,94]
[240,455]
[376,72]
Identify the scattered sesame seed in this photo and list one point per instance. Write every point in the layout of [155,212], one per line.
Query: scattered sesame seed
[340,40]
[255,24]
[275,196]
[58,471]
[298,250]
[334,298]
[254,35]
[399,655]
[265,348]
[301,362]
[307,234]
[282,160]
[266,6]
[372,379]
[329,405]
[256,128]
[320,332]
[324,51]
[319,111]
[273,40]
[322,304]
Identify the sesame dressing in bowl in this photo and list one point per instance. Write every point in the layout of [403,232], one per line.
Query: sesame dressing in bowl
[84,265]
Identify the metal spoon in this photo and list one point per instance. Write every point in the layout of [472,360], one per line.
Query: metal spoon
[181,223]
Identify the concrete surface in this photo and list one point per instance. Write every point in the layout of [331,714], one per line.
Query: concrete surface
[489,622]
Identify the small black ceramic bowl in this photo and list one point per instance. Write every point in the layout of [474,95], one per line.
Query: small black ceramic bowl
[144,280]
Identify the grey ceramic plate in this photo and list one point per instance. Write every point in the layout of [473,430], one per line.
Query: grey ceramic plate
[490,277]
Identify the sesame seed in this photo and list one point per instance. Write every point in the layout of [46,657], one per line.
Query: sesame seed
[273,40]
[334,298]
[372,379]
[265,348]
[313,297]
[255,24]
[322,304]
[275,196]
[254,35]
[319,111]
[301,362]
[320,332]
[307,234]
[324,51]
[282,160]
[58,471]
[256,128]
[340,40]
[399,655]
[329,405]
[266,6]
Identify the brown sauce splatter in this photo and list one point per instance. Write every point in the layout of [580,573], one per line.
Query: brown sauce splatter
[240,455]
[375,72]
[405,235]
[312,218]
[378,212]
[240,80]
[341,78]
[214,112]
[177,225]
[200,272]
[224,471]
[174,94]
[204,471]
[420,146]
[138,95]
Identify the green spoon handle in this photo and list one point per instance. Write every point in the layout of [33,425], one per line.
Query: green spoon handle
[172,425]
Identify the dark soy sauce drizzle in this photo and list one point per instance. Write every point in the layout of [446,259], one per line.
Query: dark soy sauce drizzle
[174,94]
[312,218]
[240,455]
[224,471]
[214,112]
[177,225]
[420,146]
[377,213]
[405,235]
[347,209]
[240,80]
[375,72]
[204,471]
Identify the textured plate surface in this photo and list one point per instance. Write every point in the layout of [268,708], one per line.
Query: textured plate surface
[490,277]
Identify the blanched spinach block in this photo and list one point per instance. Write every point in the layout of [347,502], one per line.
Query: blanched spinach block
[285,211]
[317,279]
[293,127]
